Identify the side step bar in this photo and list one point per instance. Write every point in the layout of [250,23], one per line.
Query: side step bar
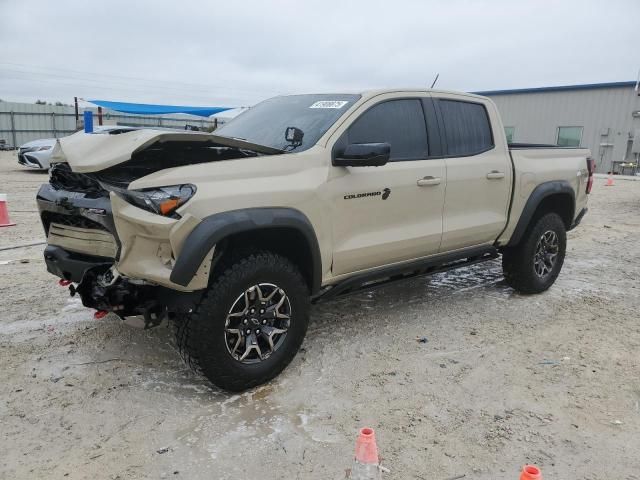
[386,275]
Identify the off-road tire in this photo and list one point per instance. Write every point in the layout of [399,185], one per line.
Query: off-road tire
[518,261]
[200,334]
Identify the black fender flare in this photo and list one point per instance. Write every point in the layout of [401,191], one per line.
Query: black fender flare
[216,227]
[539,193]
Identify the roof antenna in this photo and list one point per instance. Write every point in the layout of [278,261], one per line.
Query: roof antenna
[435,80]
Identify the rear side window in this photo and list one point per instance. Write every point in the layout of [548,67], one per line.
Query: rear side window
[400,123]
[466,126]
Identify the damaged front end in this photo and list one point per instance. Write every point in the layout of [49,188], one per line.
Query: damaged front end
[116,246]
[85,250]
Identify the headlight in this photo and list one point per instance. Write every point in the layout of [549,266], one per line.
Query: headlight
[162,200]
[46,147]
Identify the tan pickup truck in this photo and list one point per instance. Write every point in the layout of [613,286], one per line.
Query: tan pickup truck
[301,198]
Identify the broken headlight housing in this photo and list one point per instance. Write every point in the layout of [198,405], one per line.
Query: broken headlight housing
[162,200]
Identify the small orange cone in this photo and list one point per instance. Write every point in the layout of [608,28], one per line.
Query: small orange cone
[609,181]
[366,462]
[530,472]
[4,212]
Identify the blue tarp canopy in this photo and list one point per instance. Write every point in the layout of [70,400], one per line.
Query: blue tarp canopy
[147,109]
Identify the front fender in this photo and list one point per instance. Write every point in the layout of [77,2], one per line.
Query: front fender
[216,227]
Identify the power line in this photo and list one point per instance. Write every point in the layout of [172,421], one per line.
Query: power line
[69,73]
[93,88]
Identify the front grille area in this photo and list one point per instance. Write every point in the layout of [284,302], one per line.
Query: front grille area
[88,241]
[70,220]
[62,178]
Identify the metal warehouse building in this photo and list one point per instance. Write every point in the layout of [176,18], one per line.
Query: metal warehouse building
[603,117]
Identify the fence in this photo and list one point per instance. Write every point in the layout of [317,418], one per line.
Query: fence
[21,123]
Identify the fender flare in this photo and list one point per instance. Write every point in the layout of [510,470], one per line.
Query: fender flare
[216,227]
[539,193]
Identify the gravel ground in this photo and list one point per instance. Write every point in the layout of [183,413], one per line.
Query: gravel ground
[503,379]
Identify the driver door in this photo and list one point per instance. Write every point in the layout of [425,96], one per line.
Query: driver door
[392,213]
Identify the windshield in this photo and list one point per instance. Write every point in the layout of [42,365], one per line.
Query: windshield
[266,123]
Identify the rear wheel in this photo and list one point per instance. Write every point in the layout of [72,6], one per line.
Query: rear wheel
[533,265]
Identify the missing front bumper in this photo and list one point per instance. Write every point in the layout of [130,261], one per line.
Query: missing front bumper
[70,265]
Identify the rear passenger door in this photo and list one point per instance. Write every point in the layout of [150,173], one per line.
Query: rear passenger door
[382,215]
[478,172]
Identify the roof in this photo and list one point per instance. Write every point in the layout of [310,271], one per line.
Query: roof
[373,93]
[560,88]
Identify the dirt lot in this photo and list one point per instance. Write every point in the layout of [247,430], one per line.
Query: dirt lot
[503,379]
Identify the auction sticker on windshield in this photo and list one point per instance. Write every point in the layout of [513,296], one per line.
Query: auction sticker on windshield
[329,104]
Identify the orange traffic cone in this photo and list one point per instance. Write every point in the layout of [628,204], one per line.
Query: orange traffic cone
[530,472]
[366,463]
[4,213]
[609,181]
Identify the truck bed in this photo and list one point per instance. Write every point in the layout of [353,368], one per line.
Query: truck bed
[534,164]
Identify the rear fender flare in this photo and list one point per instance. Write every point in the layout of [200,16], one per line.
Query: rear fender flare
[539,193]
[216,227]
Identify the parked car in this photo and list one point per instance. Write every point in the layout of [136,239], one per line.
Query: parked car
[299,199]
[4,146]
[36,154]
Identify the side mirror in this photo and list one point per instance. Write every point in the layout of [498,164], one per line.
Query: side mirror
[363,155]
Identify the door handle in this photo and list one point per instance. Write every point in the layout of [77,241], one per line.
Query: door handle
[494,174]
[426,181]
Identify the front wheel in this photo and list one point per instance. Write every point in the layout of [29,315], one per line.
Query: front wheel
[533,265]
[249,324]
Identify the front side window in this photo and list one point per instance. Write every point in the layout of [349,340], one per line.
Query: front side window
[400,123]
[509,132]
[569,136]
[266,123]
[467,127]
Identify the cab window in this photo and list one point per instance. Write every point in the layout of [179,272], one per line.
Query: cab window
[467,129]
[400,123]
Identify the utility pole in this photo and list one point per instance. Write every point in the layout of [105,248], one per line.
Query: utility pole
[75,102]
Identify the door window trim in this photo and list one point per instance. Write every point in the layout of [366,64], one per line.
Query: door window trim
[443,137]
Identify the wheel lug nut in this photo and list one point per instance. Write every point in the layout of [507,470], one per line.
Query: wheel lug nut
[264,321]
[253,310]
[258,331]
[248,331]
[245,321]
[262,310]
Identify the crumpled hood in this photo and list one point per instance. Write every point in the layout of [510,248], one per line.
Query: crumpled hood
[93,152]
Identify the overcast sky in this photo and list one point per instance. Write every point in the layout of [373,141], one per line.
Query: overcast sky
[235,53]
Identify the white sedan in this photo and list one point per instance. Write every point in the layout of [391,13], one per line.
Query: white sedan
[36,154]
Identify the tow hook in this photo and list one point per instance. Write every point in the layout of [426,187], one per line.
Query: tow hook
[100,314]
[63,283]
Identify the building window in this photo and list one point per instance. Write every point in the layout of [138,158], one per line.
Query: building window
[569,136]
[466,126]
[509,131]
